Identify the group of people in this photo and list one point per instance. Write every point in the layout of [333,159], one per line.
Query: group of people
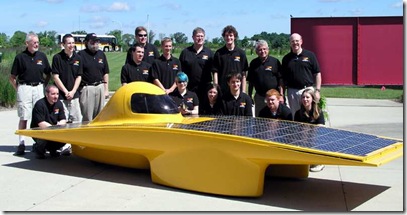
[78,93]
[200,81]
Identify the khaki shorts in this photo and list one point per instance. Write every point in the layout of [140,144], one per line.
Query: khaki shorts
[27,96]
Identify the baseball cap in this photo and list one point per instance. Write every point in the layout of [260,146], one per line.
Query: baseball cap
[91,36]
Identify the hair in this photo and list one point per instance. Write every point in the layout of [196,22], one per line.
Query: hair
[30,36]
[133,48]
[315,111]
[48,88]
[65,37]
[237,75]
[261,43]
[181,76]
[230,29]
[197,30]
[140,28]
[165,39]
[273,92]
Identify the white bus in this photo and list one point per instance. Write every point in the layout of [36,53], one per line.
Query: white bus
[107,42]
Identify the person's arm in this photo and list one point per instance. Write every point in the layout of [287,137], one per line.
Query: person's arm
[13,81]
[172,88]
[195,111]
[106,84]
[60,85]
[44,124]
[158,83]
[318,81]
[76,85]
[244,82]
[215,78]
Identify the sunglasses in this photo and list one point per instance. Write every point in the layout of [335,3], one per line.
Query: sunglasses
[142,35]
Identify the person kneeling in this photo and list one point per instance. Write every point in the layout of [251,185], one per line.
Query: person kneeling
[48,111]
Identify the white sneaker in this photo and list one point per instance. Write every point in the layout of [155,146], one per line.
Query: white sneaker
[316,168]
[66,150]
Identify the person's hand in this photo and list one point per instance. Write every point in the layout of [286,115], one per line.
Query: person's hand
[317,95]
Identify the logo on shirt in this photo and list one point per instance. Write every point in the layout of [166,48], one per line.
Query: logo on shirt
[242,104]
[237,59]
[56,111]
[151,54]
[100,60]
[39,62]
[175,67]
[269,68]
[145,72]
[305,59]
[76,63]
[190,100]
[205,57]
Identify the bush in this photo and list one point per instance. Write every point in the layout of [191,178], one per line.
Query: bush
[7,92]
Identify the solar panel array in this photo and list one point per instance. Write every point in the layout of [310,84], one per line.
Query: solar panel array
[293,133]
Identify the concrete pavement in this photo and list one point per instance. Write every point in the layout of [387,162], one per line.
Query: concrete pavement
[75,184]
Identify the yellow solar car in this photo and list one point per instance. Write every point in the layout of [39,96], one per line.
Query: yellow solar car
[141,127]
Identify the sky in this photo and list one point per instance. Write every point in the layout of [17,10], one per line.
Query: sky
[167,17]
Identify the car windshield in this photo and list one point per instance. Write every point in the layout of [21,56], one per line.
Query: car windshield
[157,104]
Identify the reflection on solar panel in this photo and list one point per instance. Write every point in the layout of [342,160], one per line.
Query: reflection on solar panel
[292,133]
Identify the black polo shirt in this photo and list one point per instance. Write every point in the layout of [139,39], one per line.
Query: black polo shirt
[283,112]
[165,70]
[150,54]
[264,75]
[301,117]
[133,72]
[225,62]
[30,68]
[242,106]
[299,70]
[190,99]
[44,111]
[68,69]
[95,66]
[206,109]
[198,67]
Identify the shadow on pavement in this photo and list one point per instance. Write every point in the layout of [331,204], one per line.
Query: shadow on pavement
[305,195]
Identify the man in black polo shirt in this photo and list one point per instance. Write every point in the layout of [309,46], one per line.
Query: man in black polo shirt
[229,59]
[150,51]
[237,103]
[48,111]
[165,68]
[27,78]
[67,75]
[136,69]
[264,74]
[196,61]
[95,78]
[300,71]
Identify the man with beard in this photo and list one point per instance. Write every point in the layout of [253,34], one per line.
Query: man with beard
[95,78]
[48,111]
[27,78]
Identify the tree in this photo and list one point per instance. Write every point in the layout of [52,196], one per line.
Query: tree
[79,32]
[18,39]
[128,39]
[217,41]
[3,40]
[47,38]
[151,36]
[180,38]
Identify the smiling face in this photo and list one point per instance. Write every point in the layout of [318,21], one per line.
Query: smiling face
[141,37]
[272,102]
[229,38]
[166,47]
[69,45]
[262,51]
[306,100]
[295,43]
[234,84]
[33,44]
[199,38]
[212,95]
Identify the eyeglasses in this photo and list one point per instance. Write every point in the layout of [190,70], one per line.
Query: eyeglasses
[181,82]
[142,35]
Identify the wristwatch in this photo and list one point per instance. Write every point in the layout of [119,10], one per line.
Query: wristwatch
[317,90]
